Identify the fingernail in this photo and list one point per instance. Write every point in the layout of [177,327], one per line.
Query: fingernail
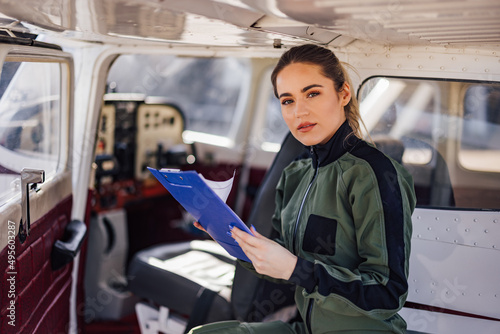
[253,227]
[231,226]
[229,234]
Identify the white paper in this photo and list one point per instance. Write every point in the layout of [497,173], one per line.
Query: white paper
[221,188]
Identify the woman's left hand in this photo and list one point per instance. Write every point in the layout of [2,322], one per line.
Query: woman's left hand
[267,256]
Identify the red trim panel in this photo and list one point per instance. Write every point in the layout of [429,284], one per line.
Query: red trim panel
[40,295]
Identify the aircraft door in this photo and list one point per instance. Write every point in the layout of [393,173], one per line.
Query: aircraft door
[38,240]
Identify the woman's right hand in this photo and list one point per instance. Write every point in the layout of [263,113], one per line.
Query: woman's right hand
[199,227]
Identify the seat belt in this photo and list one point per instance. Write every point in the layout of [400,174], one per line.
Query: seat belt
[204,301]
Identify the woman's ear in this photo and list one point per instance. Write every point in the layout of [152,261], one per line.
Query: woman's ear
[345,94]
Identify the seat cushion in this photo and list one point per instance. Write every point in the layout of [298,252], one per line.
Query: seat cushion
[174,275]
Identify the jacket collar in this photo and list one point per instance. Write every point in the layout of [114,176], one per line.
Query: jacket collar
[342,141]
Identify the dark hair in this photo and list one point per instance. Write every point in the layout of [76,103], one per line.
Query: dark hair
[331,68]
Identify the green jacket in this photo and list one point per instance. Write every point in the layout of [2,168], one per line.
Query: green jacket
[345,211]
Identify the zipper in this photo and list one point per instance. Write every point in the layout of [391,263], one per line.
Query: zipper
[310,305]
[304,200]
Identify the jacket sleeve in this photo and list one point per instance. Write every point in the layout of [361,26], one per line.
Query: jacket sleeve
[381,200]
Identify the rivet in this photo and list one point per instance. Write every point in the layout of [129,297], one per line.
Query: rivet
[399,66]
[429,228]
[409,56]
[464,69]
[420,67]
[475,220]
[437,218]
[476,59]
[431,57]
[442,68]
[467,230]
[387,56]
[485,231]
[456,219]
[494,246]
[447,229]
[378,65]
[495,221]
[416,290]
[486,70]
[453,58]
[437,238]
[475,244]
[418,217]
[419,236]
[432,291]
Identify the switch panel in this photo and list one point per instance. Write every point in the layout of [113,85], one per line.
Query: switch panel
[159,126]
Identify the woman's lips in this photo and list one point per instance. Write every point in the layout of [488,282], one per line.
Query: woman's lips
[305,127]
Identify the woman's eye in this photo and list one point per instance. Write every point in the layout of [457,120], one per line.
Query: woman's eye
[312,94]
[286,101]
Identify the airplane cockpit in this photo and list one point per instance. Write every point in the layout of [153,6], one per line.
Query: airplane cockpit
[93,93]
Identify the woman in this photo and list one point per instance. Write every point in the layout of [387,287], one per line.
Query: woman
[344,214]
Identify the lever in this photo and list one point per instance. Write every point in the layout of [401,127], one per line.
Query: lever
[28,176]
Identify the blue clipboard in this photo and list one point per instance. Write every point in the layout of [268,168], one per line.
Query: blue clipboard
[197,198]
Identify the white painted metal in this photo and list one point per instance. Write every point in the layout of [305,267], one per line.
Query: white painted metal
[454,261]
[152,321]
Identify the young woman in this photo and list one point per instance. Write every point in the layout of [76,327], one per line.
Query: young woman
[344,214]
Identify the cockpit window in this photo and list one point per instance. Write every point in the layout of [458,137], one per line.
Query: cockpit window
[275,128]
[446,133]
[480,144]
[30,120]
[210,91]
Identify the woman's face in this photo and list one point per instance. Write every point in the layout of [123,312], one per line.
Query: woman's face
[310,105]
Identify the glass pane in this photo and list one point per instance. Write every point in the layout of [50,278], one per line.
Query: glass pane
[435,128]
[275,128]
[206,89]
[407,110]
[480,144]
[30,117]
[408,120]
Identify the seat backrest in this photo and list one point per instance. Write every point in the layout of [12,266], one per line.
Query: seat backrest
[250,295]
[390,146]
[432,181]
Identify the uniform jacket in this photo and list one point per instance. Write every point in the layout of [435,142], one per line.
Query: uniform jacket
[345,211]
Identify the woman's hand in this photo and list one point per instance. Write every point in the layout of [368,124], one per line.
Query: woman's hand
[267,256]
[199,227]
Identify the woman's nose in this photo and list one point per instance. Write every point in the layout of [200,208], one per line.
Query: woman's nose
[301,109]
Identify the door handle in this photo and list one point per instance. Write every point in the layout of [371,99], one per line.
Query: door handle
[65,250]
[28,176]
